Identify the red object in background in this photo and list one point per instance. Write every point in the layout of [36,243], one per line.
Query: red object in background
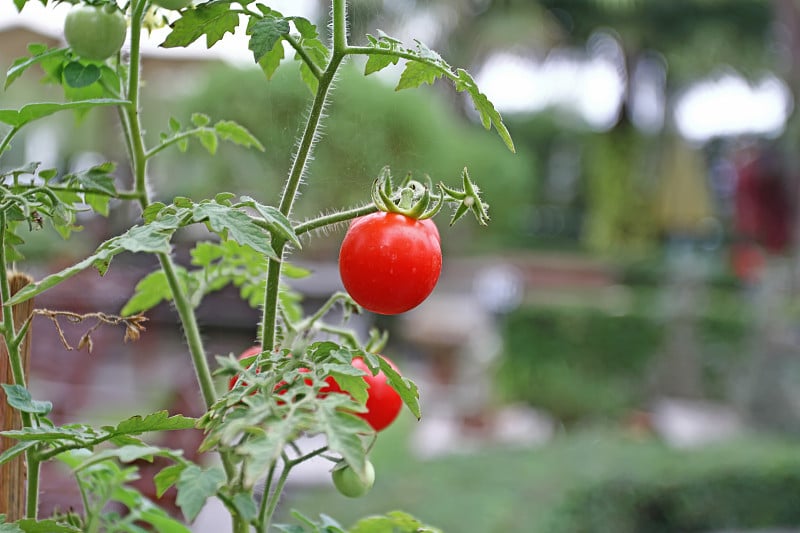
[763,209]
[747,261]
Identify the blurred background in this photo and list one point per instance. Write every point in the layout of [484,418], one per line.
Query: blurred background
[616,352]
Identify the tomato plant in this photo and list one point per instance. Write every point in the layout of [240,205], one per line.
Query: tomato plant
[305,384]
[349,483]
[95,32]
[390,262]
[383,403]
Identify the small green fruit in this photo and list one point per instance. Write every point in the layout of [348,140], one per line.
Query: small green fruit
[347,481]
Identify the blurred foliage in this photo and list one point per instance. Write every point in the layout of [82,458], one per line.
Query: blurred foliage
[409,131]
[540,489]
[582,363]
[747,497]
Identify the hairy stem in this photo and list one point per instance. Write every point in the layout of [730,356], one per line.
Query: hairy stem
[270,311]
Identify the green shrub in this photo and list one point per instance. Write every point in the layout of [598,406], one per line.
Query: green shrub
[739,498]
[586,362]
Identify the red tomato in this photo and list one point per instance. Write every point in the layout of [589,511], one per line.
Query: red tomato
[253,350]
[389,263]
[383,402]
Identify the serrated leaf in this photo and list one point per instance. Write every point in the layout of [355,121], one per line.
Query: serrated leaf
[229,130]
[159,421]
[488,114]
[350,379]
[307,29]
[78,75]
[98,202]
[263,449]
[38,55]
[17,449]
[416,73]
[99,178]
[394,521]
[236,225]
[126,454]
[200,119]
[213,20]
[76,433]
[100,260]
[167,477]
[29,525]
[19,398]
[31,112]
[406,388]
[270,61]
[342,430]
[265,34]
[208,139]
[195,486]
[149,292]
[246,506]
[377,62]
[276,221]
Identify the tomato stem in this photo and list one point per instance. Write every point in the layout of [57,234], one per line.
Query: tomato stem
[269,320]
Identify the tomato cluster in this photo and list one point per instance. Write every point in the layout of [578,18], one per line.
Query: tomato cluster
[383,402]
[389,262]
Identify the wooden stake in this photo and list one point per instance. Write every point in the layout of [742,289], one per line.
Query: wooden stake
[12,473]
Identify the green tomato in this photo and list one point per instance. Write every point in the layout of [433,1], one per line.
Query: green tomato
[173,4]
[347,481]
[95,33]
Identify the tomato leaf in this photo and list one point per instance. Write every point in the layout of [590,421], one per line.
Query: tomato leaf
[416,73]
[19,398]
[195,486]
[167,477]
[152,290]
[265,447]
[271,60]
[276,222]
[265,34]
[212,19]
[377,62]
[29,525]
[31,112]
[395,521]
[229,222]
[128,454]
[16,450]
[158,421]
[406,388]
[229,130]
[78,75]
[489,115]
[24,63]
[342,429]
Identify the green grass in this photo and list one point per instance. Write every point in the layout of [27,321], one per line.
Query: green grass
[514,490]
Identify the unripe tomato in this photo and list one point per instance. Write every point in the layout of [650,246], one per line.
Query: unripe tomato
[173,4]
[95,33]
[389,263]
[383,403]
[347,481]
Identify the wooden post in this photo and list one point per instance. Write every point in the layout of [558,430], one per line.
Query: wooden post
[12,473]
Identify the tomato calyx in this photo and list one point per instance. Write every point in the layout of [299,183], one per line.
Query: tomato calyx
[413,199]
[416,200]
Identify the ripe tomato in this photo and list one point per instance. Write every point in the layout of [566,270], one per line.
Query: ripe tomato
[95,32]
[383,403]
[389,263]
[253,350]
[347,481]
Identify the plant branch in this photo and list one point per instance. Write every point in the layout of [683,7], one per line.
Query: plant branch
[334,218]
[304,56]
